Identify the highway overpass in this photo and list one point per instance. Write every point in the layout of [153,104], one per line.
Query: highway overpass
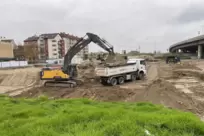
[193,45]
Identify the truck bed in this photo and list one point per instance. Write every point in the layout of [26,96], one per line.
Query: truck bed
[106,71]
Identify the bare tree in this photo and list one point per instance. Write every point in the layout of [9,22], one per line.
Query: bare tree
[31,52]
[19,53]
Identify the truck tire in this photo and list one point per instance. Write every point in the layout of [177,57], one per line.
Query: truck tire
[141,76]
[113,81]
[133,77]
[121,80]
[104,82]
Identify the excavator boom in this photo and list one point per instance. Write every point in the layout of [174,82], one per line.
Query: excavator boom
[82,43]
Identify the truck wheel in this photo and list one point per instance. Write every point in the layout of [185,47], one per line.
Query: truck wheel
[141,76]
[121,80]
[104,82]
[113,81]
[133,77]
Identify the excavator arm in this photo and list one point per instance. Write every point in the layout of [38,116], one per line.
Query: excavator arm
[82,43]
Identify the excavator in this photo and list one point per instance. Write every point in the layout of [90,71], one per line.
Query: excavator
[67,75]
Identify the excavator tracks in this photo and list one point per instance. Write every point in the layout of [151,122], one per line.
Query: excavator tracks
[66,84]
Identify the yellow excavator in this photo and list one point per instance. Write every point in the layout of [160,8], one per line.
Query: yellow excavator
[67,75]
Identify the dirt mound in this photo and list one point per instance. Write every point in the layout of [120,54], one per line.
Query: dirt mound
[86,72]
[96,93]
[102,94]
[188,72]
[115,60]
[163,92]
[186,65]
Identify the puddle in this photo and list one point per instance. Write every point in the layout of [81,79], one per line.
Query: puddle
[183,88]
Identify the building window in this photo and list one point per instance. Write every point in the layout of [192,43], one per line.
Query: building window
[54,54]
[54,45]
[54,49]
[53,40]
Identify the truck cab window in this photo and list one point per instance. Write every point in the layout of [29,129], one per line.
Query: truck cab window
[142,62]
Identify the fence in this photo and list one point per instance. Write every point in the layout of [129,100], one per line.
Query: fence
[10,64]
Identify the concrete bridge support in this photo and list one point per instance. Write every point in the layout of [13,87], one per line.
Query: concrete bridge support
[200,51]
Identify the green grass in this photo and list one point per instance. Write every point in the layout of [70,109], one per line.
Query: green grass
[82,117]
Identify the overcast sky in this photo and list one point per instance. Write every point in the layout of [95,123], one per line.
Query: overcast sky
[126,24]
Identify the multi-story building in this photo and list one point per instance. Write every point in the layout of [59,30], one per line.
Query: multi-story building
[49,45]
[6,51]
[10,41]
[31,49]
[6,48]
[54,45]
[69,40]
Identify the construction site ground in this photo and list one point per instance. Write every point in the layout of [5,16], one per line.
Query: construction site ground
[177,86]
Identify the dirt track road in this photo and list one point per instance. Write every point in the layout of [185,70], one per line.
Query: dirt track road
[152,72]
[15,81]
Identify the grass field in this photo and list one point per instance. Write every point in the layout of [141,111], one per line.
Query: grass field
[82,117]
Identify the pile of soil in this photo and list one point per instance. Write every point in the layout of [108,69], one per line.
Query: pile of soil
[102,93]
[164,93]
[96,93]
[188,72]
[86,72]
[186,65]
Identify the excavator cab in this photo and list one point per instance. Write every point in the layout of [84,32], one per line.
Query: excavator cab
[56,74]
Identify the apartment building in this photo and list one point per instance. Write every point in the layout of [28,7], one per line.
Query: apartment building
[54,45]
[6,48]
[6,51]
[10,41]
[69,40]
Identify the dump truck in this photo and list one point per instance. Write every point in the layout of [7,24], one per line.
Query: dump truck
[117,74]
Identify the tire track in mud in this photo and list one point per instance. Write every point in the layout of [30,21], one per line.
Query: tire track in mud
[139,87]
[18,80]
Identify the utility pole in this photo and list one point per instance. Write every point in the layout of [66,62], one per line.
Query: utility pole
[139,48]
[198,32]
[202,29]
[155,47]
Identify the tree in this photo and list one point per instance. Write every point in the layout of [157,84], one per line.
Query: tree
[31,52]
[19,53]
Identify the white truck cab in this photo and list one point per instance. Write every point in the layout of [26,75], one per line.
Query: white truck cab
[140,64]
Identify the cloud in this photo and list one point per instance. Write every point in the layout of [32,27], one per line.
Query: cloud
[125,24]
[193,13]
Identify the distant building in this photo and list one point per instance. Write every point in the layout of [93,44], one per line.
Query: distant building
[6,51]
[6,48]
[69,40]
[123,51]
[31,49]
[54,45]
[11,41]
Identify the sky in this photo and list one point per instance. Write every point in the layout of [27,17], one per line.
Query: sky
[147,25]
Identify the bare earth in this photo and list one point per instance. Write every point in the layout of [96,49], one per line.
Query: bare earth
[15,81]
[177,86]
